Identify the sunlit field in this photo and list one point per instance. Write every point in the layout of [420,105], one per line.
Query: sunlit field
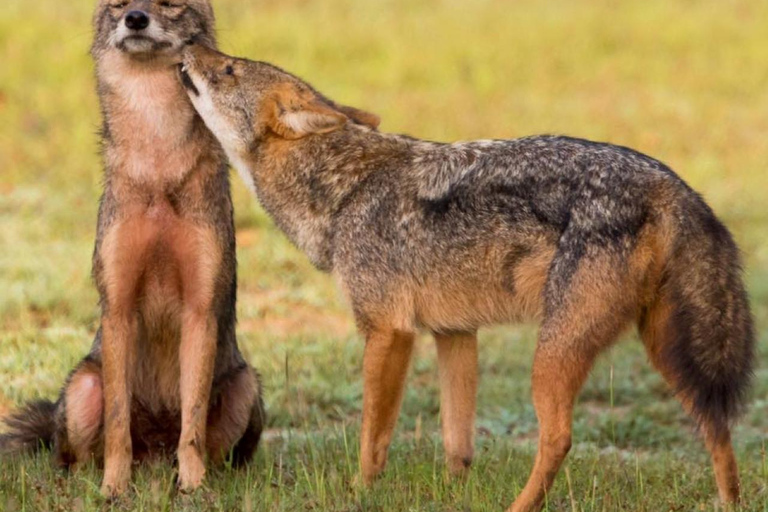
[684,81]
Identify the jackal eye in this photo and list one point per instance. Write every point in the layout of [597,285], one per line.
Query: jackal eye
[120,5]
[229,70]
[166,4]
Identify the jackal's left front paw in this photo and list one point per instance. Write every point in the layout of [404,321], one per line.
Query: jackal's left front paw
[191,470]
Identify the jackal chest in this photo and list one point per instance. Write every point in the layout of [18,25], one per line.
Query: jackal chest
[157,261]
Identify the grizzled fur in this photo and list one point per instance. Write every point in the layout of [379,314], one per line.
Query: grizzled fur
[164,264]
[586,237]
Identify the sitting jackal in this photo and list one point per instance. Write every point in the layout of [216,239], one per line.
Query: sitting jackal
[164,373]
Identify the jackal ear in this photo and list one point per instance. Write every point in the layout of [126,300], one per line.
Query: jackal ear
[358,116]
[294,114]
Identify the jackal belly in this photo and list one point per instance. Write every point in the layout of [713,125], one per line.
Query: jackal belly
[156,380]
[498,289]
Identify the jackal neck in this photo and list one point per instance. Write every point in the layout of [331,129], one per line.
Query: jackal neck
[305,184]
[149,123]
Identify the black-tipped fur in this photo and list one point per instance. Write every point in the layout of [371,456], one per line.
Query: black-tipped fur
[712,345]
[29,428]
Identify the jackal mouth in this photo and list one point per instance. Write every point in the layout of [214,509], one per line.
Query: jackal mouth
[142,44]
[186,80]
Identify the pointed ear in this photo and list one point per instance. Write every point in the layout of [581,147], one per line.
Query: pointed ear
[293,114]
[358,116]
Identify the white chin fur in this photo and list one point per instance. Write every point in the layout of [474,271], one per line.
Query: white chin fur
[226,134]
[216,122]
[244,170]
[136,45]
[151,39]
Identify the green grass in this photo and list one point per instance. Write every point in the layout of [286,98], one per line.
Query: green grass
[682,81]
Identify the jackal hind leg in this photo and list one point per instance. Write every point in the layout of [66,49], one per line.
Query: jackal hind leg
[236,418]
[657,330]
[80,417]
[385,365]
[249,441]
[457,368]
[584,317]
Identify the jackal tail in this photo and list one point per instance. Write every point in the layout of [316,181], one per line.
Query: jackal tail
[704,333]
[30,428]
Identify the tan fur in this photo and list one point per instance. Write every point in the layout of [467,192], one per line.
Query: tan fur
[149,122]
[457,366]
[119,335]
[725,466]
[198,267]
[292,114]
[385,365]
[598,310]
[449,304]
[362,117]
[83,398]
[125,251]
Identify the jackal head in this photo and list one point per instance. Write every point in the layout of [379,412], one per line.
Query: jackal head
[146,29]
[242,101]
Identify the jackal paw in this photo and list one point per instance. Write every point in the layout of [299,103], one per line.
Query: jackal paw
[358,482]
[459,466]
[191,471]
[365,479]
[112,486]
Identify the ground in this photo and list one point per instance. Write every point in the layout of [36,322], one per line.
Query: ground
[682,81]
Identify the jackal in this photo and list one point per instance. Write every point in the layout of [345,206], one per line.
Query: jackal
[585,237]
[164,370]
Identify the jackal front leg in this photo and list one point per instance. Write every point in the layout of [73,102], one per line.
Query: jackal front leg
[119,331]
[385,365]
[199,262]
[196,360]
[123,253]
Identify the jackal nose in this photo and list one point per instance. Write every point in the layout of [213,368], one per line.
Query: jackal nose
[136,20]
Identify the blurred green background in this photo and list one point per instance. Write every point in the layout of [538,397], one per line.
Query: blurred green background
[684,81]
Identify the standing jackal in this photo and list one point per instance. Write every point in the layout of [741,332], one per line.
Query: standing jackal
[164,371]
[586,237]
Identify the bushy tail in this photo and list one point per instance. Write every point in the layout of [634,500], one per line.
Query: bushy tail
[710,342]
[29,428]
